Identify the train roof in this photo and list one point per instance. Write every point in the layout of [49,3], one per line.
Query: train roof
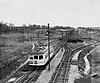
[36,53]
[38,50]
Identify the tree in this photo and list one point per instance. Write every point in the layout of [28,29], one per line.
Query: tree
[12,27]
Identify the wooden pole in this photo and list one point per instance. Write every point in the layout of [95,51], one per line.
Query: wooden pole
[66,36]
[48,47]
[62,42]
[38,35]
[62,34]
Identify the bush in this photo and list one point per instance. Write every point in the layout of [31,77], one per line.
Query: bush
[2,44]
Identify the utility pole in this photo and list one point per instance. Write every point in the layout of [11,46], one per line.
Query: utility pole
[48,47]
[62,34]
[62,41]
[23,32]
[66,36]
[38,35]
[33,35]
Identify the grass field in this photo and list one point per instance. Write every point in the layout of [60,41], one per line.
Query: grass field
[11,44]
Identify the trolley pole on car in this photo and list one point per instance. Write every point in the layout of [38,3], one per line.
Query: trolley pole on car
[33,35]
[66,36]
[48,47]
[62,34]
[38,35]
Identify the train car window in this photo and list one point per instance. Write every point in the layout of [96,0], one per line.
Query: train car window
[31,57]
[40,57]
[35,57]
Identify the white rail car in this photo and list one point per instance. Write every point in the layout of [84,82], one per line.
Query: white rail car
[39,56]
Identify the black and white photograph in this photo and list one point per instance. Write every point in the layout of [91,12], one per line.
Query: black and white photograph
[49,41]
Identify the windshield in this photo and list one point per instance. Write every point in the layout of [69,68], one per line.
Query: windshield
[35,57]
[40,57]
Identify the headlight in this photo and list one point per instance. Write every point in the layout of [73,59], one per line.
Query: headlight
[30,62]
[35,62]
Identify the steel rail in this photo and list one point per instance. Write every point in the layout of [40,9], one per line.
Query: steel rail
[34,78]
[54,80]
[23,77]
[71,53]
[83,47]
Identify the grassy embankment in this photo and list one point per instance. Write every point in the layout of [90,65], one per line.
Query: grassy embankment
[11,46]
[95,65]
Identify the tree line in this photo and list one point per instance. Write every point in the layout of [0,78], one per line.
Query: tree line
[4,28]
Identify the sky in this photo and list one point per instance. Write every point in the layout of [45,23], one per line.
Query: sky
[73,13]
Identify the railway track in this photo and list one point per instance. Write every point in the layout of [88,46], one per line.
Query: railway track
[13,64]
[32,76]
[27,77]
[61,73]
[12,61]
[37,72]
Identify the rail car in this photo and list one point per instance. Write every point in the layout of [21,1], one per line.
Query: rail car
[39,56]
